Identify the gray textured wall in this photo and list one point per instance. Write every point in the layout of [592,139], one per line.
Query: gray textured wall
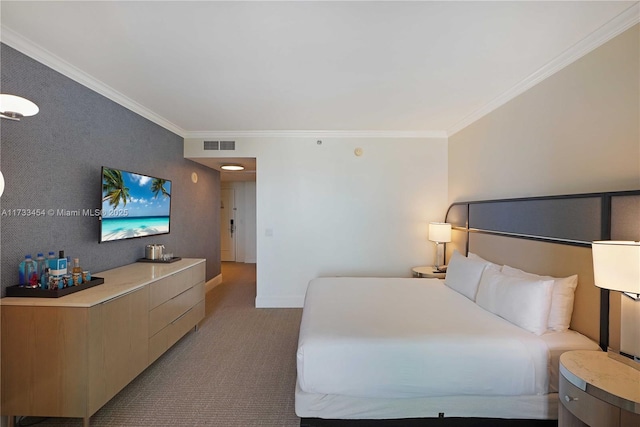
[53,161]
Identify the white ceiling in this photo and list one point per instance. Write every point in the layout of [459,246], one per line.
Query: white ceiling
[209,68]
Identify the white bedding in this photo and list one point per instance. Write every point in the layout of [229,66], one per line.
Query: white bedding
[387,338]
[558,343]
[313,405]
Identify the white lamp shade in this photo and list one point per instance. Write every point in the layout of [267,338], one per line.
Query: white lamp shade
[1,183]
[440,232]
[10,104]
[616,265]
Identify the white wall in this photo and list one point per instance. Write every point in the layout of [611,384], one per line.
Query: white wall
[323,211]
[249,240]
[575,132]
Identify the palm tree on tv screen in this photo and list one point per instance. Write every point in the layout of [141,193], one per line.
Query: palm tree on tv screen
[113,187]
[157,186]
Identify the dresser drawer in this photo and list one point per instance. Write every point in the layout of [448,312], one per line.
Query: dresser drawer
[198,273]
[159,291]
[158,344]
[167,288]
[590,410]
[182,325]
[170,310]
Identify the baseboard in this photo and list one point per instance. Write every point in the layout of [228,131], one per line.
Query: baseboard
[213,283]
[280,302]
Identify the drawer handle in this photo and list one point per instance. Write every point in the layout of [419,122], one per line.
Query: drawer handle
[569,398]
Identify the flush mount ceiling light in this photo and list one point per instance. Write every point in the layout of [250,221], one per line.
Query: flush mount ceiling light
[232,167]
[14,107]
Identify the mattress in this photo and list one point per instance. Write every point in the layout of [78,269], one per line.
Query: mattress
[399,338]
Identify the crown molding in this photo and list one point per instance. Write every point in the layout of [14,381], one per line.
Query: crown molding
[611,29]
[221,135]
[27,47]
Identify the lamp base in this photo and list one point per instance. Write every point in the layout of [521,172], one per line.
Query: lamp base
[627,359]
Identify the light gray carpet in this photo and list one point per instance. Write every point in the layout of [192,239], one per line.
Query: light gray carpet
[238,369]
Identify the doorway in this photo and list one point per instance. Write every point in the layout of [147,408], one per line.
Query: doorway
[238,216]
[227,224]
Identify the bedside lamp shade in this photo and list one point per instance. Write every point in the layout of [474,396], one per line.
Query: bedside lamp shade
[440,232]
[616,265]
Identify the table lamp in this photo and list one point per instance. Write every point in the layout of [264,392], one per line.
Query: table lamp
[616,266]
[439,232]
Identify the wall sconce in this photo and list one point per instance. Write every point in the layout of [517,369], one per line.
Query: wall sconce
[439,232]
[616,266]
[13,107]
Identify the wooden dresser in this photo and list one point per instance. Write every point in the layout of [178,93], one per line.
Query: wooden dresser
[68,356]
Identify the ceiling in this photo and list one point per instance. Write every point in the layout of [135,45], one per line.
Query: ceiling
[207,69]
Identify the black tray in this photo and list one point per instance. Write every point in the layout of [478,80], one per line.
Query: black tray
[160,261]
[18,291]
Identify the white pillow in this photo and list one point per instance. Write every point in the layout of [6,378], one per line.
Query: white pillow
[561,298]
[523,302]
[476,257]
[463,275]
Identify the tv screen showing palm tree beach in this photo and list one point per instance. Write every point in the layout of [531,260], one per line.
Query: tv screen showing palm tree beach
[133,205]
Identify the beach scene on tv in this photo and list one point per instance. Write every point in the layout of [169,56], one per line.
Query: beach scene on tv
[133,205]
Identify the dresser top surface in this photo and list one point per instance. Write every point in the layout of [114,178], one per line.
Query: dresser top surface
[117,281]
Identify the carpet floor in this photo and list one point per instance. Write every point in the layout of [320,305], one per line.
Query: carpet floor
[238,369]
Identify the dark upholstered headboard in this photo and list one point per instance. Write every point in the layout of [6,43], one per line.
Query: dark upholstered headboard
[552,235]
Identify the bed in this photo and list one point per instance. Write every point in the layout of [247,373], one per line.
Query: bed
[466,348]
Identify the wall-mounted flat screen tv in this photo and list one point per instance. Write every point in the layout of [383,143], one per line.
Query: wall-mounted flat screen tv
[133,205]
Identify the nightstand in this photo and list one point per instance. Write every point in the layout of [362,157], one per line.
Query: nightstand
[427,272]
[597,391]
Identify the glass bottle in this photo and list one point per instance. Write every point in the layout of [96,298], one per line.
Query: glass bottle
[76,272]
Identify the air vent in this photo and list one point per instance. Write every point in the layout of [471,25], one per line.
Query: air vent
[211,145]
[227,145]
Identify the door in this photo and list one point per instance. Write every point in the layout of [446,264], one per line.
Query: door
[227,225]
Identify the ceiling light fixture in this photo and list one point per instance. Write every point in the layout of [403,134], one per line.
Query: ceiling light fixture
[13,107]
[232,167]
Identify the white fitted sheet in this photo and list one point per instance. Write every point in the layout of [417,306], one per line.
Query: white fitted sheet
[408,338]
